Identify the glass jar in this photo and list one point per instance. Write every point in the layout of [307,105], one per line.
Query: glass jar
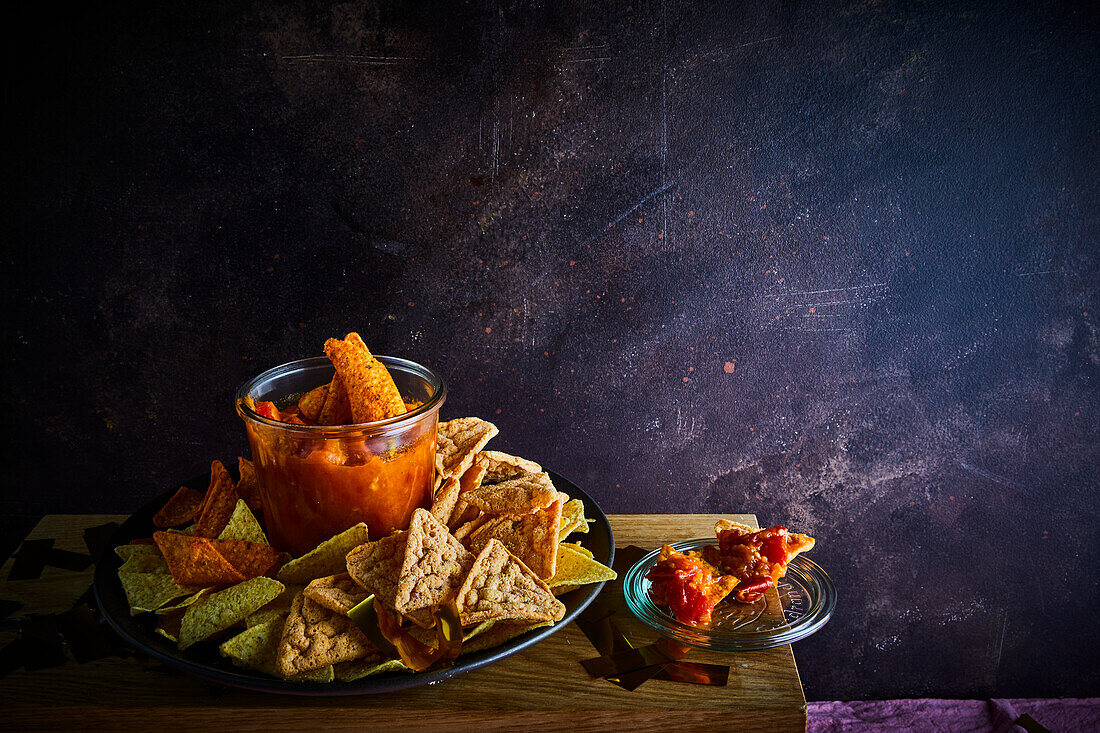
[318,480]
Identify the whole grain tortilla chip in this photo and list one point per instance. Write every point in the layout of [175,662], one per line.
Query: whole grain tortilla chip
[218,611]
[572,518]
[502,467]
[250,559]
[180,509]
[576,568]
[532,538]
[312,402]
[471,479]
[248,486]
[524,495]
[243,526]
[221,499]
[145,562]
[376,567]
[195,561]
[352,671]
[258,647]
[463,533]
[325,559]
[445,499]
[337,593]
[149,591]
[315,637]
[499,586]
[458,441]
[337,409]
[434,566]
[371,390]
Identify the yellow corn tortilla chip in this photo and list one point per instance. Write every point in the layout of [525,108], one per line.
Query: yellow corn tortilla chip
[458,442]
[256,648]
[578,547]
[144,562]
[149,591]
[178,606]
[243,526]
[218,611]
[352,671]
[524,495]
[325,559]
[575,568]
[500,587]
[371,390]
[572,518]
[434,566]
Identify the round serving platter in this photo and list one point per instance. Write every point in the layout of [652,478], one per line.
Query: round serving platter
[803,602]
[203,659]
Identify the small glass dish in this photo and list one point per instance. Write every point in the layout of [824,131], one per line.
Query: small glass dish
[801,604]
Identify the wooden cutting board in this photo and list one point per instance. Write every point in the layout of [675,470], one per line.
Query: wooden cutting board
[541,689]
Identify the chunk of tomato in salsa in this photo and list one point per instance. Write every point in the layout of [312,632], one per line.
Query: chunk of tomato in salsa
[688,585]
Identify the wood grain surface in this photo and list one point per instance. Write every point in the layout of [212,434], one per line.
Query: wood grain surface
[543,687]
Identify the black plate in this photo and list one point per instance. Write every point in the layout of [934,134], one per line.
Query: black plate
[203,659]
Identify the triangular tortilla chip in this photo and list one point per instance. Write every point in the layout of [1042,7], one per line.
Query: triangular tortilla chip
[532,538]
[183,603]
[459,441]
[145,562]
[499,586]
[180,509]
[471,479]
[352,671]
[371,390]
[195,561]
[150,591]
[462,533]
[500,632]
[248,486]
[376,567]
[445,499]
[276,607]
[243,526]
[572,518]
[258,647]
[434,565]
[575,568]
[502,467]
[337,593]
[524,495]
[221,499]
[315,637]
[251,559]
[218,611]
[337,409]
[325,559]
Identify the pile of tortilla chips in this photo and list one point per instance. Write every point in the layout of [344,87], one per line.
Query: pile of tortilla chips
[491,548]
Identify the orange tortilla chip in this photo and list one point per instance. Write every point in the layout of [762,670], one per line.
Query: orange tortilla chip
[248,487]
[371,391]
[250,559]
[180,509]
[312,402]
[194,560]
[337,409]
[221,500]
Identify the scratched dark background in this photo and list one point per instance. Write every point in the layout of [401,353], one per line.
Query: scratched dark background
[831,263]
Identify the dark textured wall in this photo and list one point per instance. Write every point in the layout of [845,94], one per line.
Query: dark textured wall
[831,263]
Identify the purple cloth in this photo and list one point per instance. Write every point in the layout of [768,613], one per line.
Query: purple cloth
[964,716]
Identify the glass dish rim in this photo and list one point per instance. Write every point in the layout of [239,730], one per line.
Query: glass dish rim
[354,430]
[639,603]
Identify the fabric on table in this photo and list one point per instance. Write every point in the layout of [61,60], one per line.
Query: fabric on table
[962,716]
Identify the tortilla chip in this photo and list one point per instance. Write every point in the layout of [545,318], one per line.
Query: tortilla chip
[502,467]
[243,526]
[445,499]
[371,390]
[248,486]
[337,409]
[576,568]
[149,591]
[277,607]
[572,518]
[434,566]
[221,499]
[258,647]
[195,561]
[352,671]
[577,547]
[316,637]
[250,559]
[312,402]
[532,538]
[471,479]
[325,559]
[458,442]
[524,495]
[127,551]
[500,632]
[337,593]
[145,562]
[499,586]
[376,567]
[180,509]
[218,611]
[462,533]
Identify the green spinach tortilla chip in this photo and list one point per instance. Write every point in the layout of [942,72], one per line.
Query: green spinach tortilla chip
[218,611]
[328,558]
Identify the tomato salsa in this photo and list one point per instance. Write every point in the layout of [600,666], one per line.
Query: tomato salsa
[757,558]
[688,585]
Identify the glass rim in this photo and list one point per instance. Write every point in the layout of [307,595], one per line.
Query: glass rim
[439,394]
